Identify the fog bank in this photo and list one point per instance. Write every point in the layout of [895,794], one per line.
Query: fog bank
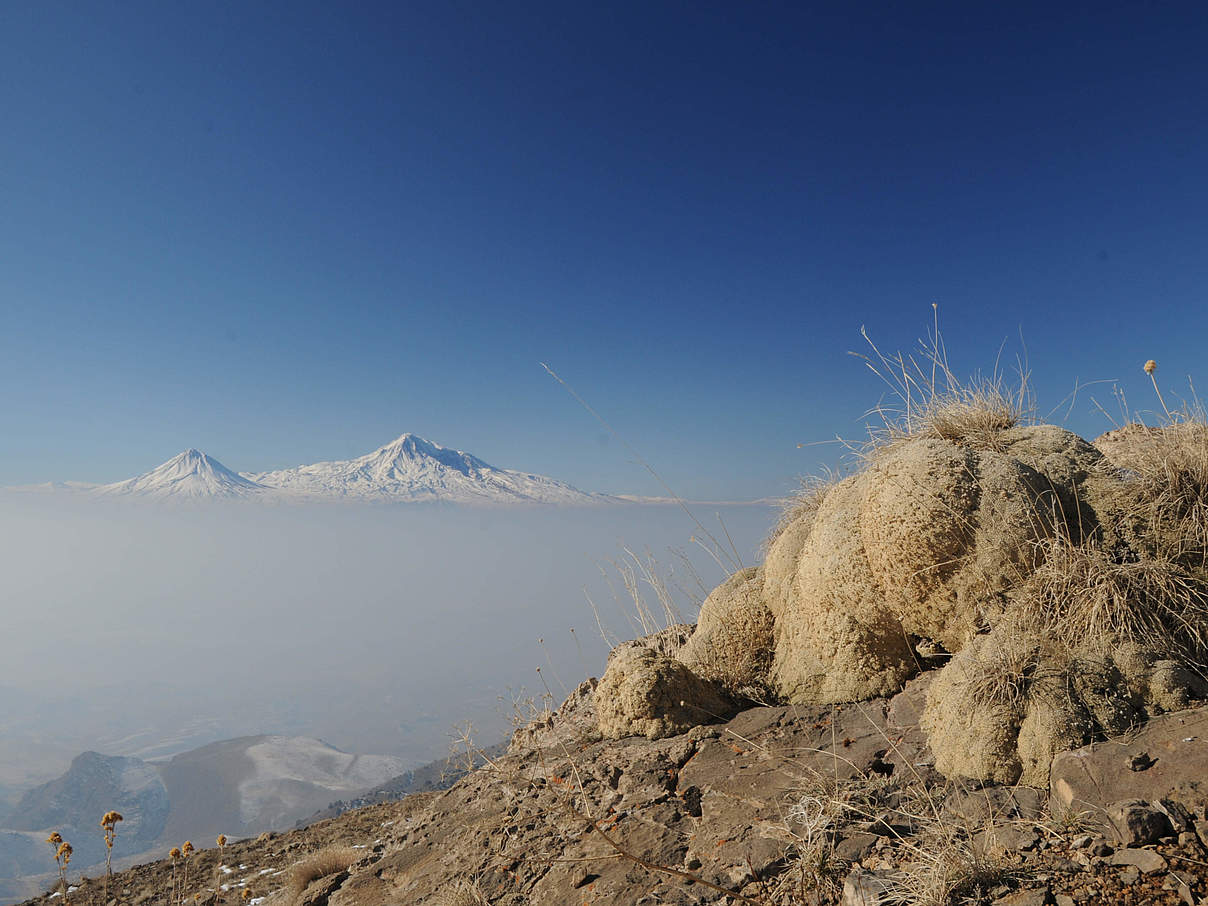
[147,629]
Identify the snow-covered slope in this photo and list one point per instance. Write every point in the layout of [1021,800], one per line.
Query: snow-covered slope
[285,765]
[189,475]
[258,783]
[413,469]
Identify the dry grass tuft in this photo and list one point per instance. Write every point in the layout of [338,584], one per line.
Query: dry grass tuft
[929,400]
[950,868]
[462,892]
[974,416]
[1003,680]
[1081,595]
[329,861]
[1171,468]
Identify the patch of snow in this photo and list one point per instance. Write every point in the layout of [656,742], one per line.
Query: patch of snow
[282,764]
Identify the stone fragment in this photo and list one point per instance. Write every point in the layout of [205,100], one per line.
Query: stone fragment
[1140,762]
[856,846]
[1143,860]
[1138,822]
[1094,776]
[866,888]
[318,891]
[1038,896]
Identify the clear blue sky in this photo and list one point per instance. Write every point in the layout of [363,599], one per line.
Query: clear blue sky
[290,232]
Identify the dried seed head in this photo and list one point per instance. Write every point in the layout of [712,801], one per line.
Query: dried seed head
[65,852]
[247,894]
[221,841]
[187,848]
[1151,366]
[174,852]
[55,839]
[110,818]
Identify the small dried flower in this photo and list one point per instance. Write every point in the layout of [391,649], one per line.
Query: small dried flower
[55,839]
[187,848]
[174,852]
[247,894]
[65,852]
[1151,366]
[221,841]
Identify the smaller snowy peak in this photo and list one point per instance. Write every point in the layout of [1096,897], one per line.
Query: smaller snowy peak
[53,487]
[188,475]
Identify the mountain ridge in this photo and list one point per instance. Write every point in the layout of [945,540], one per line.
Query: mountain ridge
[408,469]
[413,469]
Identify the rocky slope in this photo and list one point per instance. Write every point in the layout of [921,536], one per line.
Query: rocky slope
[778,806]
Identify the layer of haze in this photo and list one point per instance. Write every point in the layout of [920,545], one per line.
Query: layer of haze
[148,629]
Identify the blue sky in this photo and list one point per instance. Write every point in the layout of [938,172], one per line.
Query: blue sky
[290,232]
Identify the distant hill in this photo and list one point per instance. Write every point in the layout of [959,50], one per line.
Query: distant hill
[436,775]
[238,787]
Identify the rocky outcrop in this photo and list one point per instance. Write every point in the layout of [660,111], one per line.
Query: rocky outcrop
[645,693]
[1165,759]
[1018,564]
[734,641]
[842,796]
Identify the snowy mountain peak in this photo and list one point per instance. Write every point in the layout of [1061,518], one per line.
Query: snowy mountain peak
[408,469]
[412,468]
[410,450]
[191,474]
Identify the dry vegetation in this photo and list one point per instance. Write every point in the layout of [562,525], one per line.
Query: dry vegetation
[329,861]
[927,399]
[1081,595]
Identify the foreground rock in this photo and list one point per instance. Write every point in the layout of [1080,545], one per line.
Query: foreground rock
[1118,784]
[1059,595]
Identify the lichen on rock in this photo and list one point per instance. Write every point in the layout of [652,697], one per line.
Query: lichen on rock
[1057,600]
[646,693]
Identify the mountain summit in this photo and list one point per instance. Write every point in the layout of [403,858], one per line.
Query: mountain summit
[411,468]
[188,475]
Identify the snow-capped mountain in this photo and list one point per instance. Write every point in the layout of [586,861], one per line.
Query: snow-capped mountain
[189,475]
[414,469]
